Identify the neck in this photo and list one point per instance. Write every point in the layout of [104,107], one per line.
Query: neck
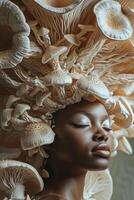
[66,179]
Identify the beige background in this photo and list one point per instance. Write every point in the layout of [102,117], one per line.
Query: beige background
[123,176]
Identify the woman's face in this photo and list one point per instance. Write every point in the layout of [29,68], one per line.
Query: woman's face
[82,131]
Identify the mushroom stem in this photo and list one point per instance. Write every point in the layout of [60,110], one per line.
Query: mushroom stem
[55,64]
[18,192]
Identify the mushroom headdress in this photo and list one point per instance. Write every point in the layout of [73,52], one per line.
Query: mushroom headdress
[61,53]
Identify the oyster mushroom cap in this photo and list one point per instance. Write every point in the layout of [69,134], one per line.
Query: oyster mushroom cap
[111,20]
[20,109]
[72,39]
[94,86]
[53,52]
[15,177]
[43,31]
[36,134]
[59,7]
[11,100]
[98,185]
[13,17]
[58,77]
[6,117]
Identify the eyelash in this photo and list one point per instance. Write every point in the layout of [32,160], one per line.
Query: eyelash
[79,126]
[107,129]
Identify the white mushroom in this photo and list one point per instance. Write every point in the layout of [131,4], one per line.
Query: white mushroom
[18,177]
[98,185]
[36,134]
[94,86]
[11,100]
[6,116]
[20,109]
[12,17]
[57,76]
[111,20]
[44,36]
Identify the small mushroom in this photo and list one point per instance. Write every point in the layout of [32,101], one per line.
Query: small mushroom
[125,146]
[112,21]
[44,36]
[94,86]
[17,177]
[84,29]
[20,109]
[35,135]
[57,76]
[6,117]
[11,100]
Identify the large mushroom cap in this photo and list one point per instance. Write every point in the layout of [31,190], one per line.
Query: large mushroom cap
[94,86]
[53,52]
[36,134]
[98,185]
[58,6]
[58,77]
[111,20]
[15,172]
[12,18]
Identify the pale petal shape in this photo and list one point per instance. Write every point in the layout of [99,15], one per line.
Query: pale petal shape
[98,185]
[130,131]
[58,77]
[35,135]
[93,85]
[11,16]
[111,20]
[125,146]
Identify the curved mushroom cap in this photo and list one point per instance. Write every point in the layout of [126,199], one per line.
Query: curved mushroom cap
[58,6]
[20,109]
[111,20]
[14,172]
[124,118]
[93,85]
[72,39]
[58,77]
[53,52]
[12,16]
[43,31]
[36,134]
[98,185]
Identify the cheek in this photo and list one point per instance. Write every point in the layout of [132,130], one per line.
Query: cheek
[79,139]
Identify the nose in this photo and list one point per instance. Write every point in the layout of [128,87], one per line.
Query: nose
[100,135]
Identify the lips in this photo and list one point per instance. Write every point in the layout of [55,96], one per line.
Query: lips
[101,150]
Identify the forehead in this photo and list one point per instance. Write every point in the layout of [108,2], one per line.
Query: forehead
[93,109]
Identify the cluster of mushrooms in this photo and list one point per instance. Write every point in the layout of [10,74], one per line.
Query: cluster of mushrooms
[77,66]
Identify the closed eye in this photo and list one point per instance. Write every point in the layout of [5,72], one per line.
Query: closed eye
[107,129]
[80,125]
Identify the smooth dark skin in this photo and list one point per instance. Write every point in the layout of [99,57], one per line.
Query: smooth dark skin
[79,128]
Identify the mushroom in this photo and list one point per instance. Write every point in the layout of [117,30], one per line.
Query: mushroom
[35,135]
[12,17]
[9,153]
[11,100]
[20,109]
[17,177]
[84,29]
[94,86]
[44,36]
[57,76]
[98,185]
[111,20]
[6,117]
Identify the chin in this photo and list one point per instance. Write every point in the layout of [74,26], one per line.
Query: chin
[98,164]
